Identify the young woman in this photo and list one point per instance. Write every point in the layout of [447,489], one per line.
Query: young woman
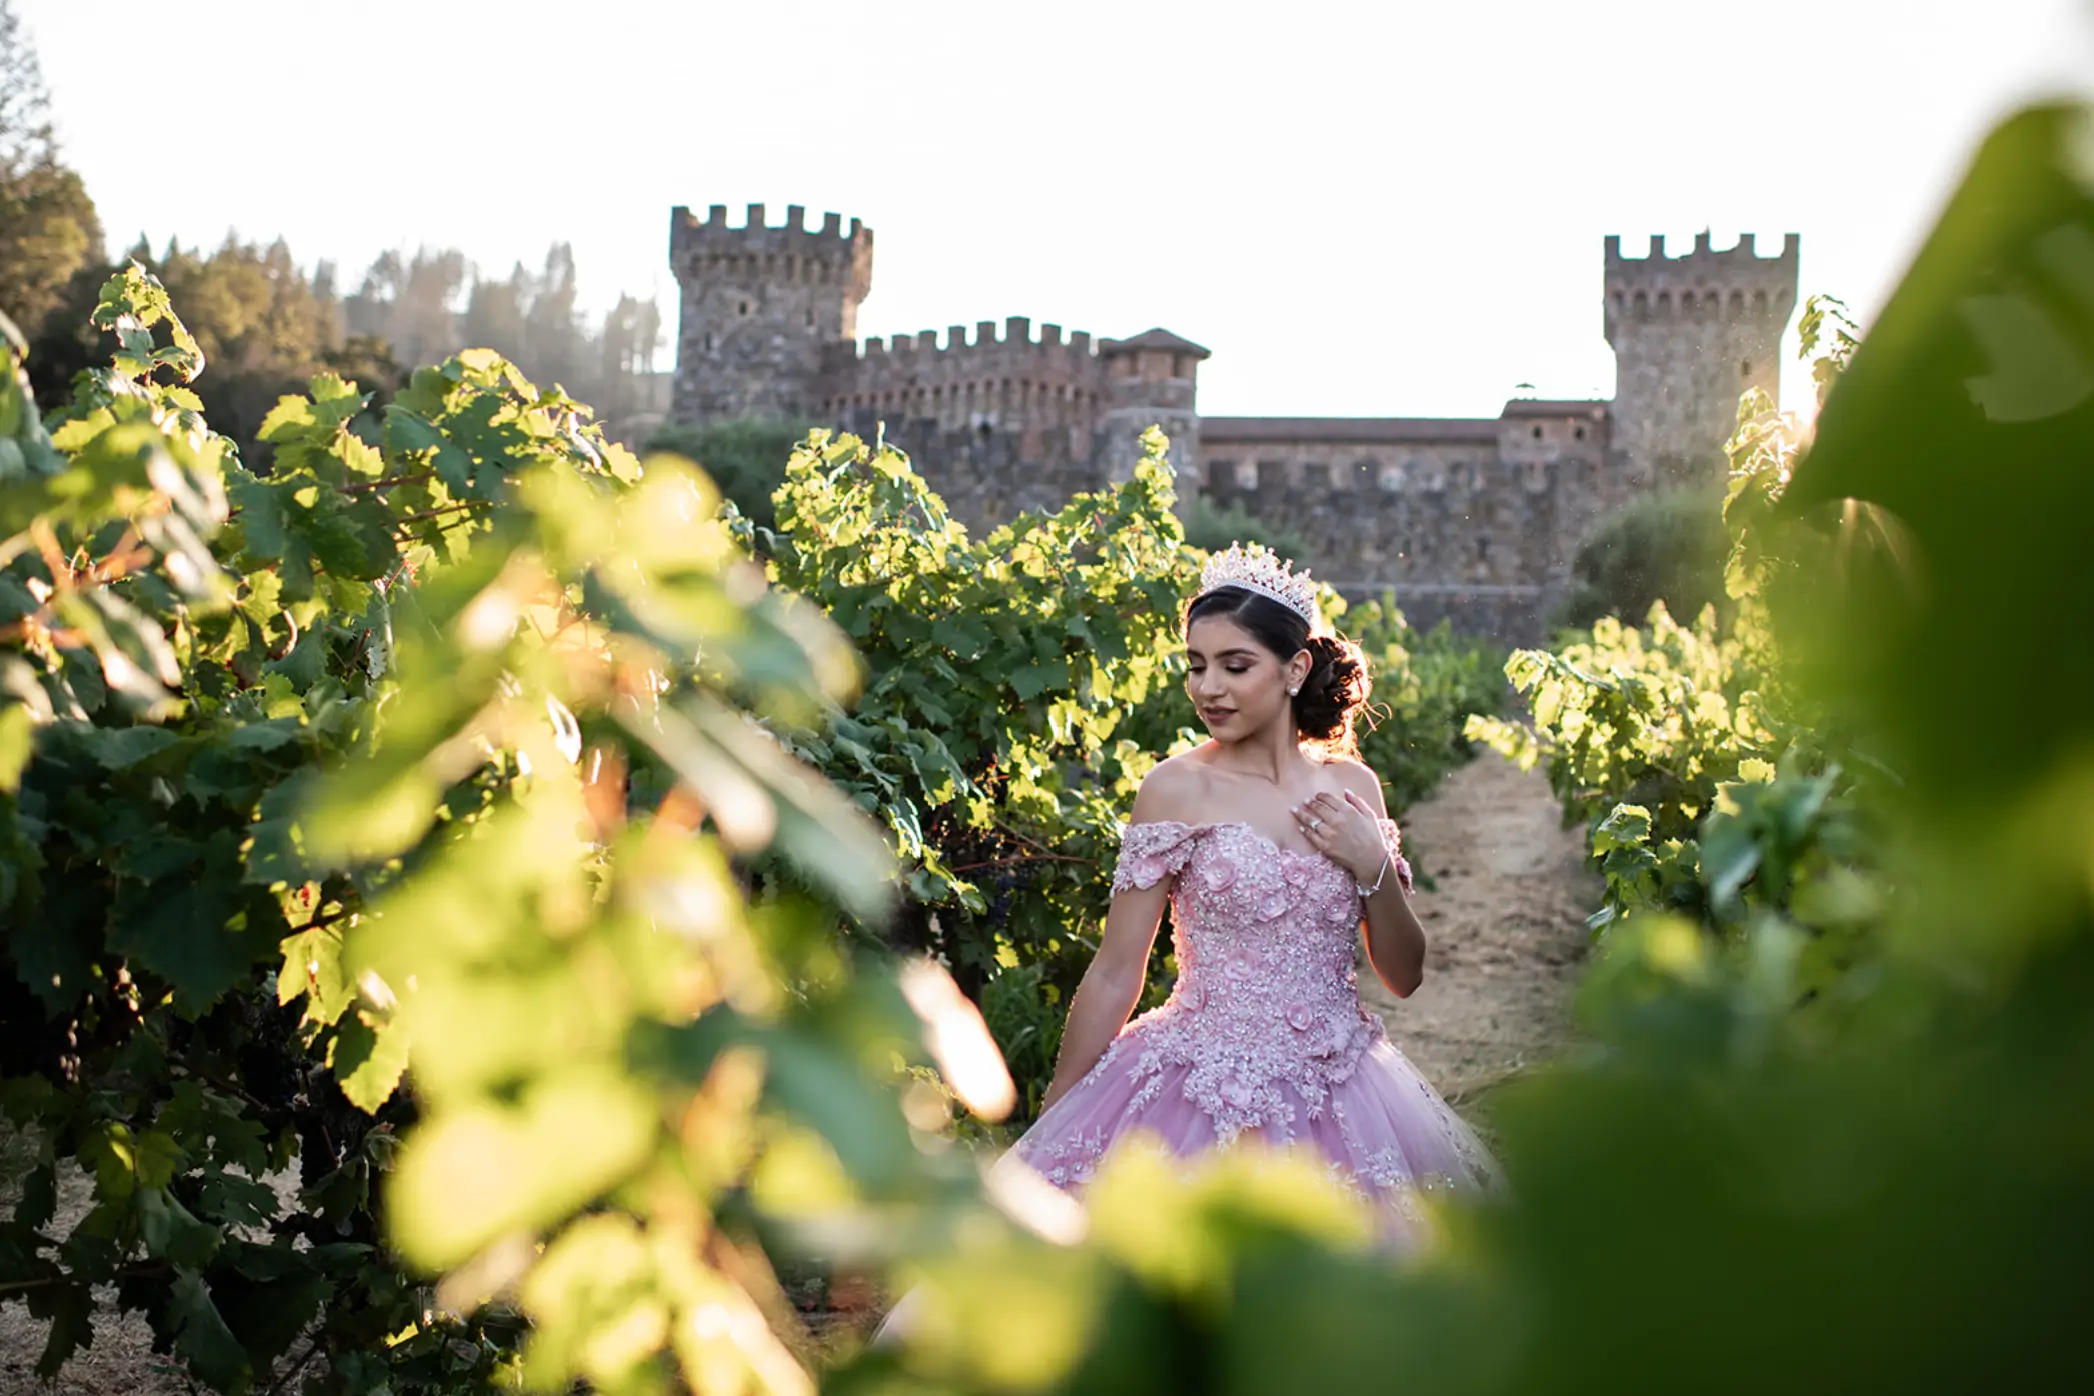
[1272,845]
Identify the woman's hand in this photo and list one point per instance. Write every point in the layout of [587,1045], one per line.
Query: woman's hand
[1346,830]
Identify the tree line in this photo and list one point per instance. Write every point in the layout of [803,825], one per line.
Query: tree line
[265,324]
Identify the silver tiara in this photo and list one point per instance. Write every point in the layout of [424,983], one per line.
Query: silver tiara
[1257,568]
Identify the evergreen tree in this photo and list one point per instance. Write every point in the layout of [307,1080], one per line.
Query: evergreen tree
[494,313]
[554,339]
[48,226]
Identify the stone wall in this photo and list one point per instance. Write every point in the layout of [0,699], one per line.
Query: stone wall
[1472,519]
[1046,393]
[760,308]
[1690,335]
[1152,381]
[1002,423]
[983,475]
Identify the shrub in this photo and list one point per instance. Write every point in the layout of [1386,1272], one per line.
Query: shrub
[308,780]
[745,458]
[1667,547]
[1212,527]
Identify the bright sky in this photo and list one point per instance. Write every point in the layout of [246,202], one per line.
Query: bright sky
[1392,207]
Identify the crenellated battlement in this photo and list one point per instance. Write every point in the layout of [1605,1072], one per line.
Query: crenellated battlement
[1477,519]
[993,366]
[688,232]
[1734,283]
[1690,334]
[1744,252]
[1014,334]
[756,253]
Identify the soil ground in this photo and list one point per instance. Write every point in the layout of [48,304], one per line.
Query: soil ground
[1505,923]
[1505,917]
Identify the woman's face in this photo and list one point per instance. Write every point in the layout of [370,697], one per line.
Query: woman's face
[1236,684]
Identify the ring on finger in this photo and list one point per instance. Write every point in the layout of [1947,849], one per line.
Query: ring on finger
[1315,823]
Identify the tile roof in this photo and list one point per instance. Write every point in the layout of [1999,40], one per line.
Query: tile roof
[1155,339]
[1557,407]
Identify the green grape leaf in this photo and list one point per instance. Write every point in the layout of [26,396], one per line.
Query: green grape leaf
[56,965]
[119,748]
[368,1059]
[172,1232]
[38,1202]
[201,1335]
[69,1309]
[184,929]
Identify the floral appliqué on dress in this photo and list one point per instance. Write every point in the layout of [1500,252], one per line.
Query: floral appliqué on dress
[1264,1030]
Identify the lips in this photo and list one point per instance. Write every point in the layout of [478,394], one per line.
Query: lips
[1217,714]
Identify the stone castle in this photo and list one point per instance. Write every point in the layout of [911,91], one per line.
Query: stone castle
[1470,518]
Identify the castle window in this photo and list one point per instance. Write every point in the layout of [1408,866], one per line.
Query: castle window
[810,319]
[1537,431]
[1483,547]
[1744,368]
[741,307]
[1578,432]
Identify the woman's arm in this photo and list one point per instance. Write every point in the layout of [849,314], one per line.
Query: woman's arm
[1111,986]
[1395,937]
[1113,983]
[1351,833]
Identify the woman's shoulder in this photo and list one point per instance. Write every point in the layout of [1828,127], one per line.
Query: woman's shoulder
[1356,776]
[1172,791]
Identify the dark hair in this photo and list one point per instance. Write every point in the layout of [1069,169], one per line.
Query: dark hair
[1337,685]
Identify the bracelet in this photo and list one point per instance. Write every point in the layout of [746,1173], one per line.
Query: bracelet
[1366,891]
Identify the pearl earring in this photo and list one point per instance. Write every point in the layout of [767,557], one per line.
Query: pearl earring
[1291,692]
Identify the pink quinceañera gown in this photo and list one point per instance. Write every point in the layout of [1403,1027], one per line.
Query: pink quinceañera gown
[1264,1034]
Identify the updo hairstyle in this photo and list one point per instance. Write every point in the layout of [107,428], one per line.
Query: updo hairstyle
[1337,685]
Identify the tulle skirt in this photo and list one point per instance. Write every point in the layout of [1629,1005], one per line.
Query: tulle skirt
[1384,1131]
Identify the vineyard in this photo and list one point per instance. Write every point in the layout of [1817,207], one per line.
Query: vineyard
[478,909]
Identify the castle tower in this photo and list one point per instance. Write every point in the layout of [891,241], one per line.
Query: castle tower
[763,310]
[1690,334]
[1151,381]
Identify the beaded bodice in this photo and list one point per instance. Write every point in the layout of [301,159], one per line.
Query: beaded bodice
[1266,993]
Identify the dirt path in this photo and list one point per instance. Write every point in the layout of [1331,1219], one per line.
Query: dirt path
[1506,926]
